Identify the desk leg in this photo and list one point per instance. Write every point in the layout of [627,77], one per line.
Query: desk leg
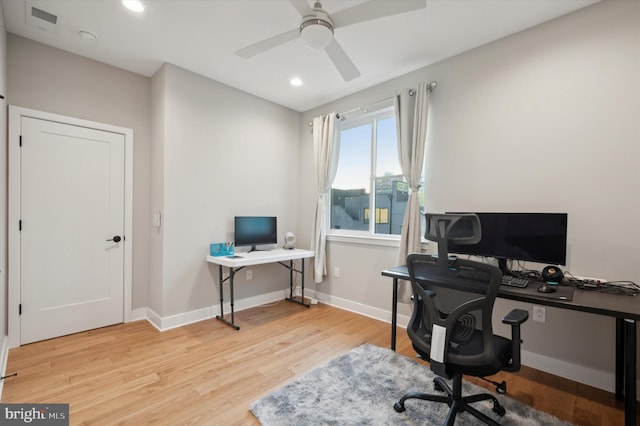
[291,281]
[220,317]
[221,281]
[292,269]
[231,274]
[394,314]
[301,279]
[630,373]
[620,353]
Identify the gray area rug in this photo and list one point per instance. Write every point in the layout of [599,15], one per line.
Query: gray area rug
[360,388]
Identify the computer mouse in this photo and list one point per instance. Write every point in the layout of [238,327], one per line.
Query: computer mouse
[546,289]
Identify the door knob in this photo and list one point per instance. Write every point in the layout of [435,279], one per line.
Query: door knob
[116,239]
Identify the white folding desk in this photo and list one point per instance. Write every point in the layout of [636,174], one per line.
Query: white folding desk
[240,260]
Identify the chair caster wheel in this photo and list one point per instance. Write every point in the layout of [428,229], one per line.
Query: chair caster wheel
[398,407]
[437,387]
[499,410]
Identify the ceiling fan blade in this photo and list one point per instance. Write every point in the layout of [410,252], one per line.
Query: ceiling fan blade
[270,43]
[342,61]
[302,7]
[373,10]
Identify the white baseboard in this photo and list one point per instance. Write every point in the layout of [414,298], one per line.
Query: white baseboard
[178,320]
[138,314]
[358,308]
[600,379]
[604,380]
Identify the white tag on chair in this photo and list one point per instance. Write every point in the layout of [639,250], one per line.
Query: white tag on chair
[438,342]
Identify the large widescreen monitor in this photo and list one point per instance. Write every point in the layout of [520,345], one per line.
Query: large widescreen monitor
[255,230]
[532,237]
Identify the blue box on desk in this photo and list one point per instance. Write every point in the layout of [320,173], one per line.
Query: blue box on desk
[221,249]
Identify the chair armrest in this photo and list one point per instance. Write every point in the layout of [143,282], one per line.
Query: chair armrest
[515,318]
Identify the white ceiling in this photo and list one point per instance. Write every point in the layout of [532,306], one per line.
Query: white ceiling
[202,36]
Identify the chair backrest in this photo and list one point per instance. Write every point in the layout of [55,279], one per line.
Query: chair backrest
[451,321]
[462,228]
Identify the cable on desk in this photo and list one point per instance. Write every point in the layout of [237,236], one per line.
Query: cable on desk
[621,287]
[527,273]
[628,288]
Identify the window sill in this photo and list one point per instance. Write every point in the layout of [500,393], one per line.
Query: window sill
[365,239]
[371,240]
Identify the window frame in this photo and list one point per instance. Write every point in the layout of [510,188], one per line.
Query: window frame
[360,236]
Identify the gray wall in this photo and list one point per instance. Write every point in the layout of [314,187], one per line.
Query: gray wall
[203,152]
[545,120]
[52,80]
[156,190]
[224,153]
[3,177]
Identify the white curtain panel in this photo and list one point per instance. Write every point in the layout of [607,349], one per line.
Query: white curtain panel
[326,148]
[411,125]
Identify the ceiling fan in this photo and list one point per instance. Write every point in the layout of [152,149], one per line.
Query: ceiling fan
[317,26]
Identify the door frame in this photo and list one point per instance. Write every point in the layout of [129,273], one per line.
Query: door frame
[13,234]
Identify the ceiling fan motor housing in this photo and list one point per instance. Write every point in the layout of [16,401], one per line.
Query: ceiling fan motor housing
[317,29]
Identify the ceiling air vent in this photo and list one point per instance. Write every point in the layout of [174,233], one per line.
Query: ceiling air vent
[41,19]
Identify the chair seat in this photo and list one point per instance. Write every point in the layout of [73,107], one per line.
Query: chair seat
[502,350]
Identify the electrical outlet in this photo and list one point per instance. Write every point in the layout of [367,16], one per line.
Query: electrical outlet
[336,272]
[539,314]
[249,274]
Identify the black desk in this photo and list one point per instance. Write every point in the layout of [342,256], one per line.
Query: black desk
[625,309]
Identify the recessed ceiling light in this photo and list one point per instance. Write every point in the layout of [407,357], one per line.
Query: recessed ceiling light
[87,35]
[134,5]
[295,81]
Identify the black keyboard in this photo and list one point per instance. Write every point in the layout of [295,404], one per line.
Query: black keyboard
[514,281]
[472,274]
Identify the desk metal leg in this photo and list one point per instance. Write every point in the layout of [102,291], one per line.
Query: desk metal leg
[626,353]
[220,280]
[220,317]
[292,269]
[394,314]
[630,373]
[301,279]
[620,353]
[291,281]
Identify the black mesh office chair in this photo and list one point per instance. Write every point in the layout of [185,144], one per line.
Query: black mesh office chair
[451,321]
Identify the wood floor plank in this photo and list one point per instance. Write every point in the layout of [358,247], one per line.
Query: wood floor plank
[209,374]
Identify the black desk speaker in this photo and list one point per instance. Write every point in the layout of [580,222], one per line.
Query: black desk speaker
[552,274]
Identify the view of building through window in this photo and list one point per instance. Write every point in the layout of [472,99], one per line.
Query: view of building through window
[369,164]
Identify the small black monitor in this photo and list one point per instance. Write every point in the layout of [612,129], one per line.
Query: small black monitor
[532,237]
[255,230]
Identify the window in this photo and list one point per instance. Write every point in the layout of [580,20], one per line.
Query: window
[369,194]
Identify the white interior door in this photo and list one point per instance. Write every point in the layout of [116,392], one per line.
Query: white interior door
[72,193]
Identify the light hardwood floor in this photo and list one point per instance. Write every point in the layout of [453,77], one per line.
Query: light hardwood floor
[207,373]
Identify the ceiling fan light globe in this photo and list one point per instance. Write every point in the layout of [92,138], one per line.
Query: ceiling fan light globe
[316,33]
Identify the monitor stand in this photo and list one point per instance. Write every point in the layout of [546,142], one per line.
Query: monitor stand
[502,264]
[254,248]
